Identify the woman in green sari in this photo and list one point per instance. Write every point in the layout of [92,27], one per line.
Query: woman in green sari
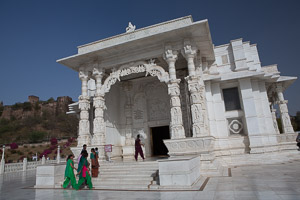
[69,173]
[83,172]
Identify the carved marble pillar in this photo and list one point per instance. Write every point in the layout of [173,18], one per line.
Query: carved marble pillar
[127,86]
[84,136]
[99,105]
[99,123]
[176,126]
[198,107]
[197,94]
[284,115]
[273,112]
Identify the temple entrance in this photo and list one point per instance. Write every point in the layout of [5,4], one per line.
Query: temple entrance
[158,134]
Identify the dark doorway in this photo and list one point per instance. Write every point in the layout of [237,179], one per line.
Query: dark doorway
[158,135]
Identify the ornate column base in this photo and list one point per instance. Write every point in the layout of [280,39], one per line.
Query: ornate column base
[177,132]
[83,139]
[128,153]
[190,146]
[98,139]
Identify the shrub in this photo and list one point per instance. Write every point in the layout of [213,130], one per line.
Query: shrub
[53,147]
[33,147]
[36,136]
[37,106]
[13,145]
[27,106]
[47,151]
[59,151]
[25,146]
[53,141]
[12,151]
[20,153]
[17,106]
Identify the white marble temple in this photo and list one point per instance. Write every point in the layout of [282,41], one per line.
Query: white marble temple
[170,81]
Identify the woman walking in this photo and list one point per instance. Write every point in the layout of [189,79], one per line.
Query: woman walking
[83,172]
[95,163]
[69,173]
[138,148]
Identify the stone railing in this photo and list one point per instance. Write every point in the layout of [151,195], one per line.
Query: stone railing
[25,166]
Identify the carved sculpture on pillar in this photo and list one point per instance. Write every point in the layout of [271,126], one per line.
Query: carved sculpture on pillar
[99,105]
[197,94]
[285,117]
[176,126]
[84,136]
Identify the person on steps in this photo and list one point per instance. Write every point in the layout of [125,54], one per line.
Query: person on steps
[138,148]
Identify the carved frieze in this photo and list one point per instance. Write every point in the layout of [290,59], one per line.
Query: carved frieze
[137,67]
[190,146]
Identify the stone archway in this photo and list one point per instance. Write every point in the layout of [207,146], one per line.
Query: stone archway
[132,68]
[99,101]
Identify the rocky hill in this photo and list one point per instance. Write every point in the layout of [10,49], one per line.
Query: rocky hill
[36,121]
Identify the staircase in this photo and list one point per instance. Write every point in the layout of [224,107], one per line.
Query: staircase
[126,175]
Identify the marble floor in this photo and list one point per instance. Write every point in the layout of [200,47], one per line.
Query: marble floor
[273,182]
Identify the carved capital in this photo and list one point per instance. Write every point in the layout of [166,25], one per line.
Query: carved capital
[170,55]
[98,73]
[83,75]
[188,51]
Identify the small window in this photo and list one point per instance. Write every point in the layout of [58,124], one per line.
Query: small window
[231,99]
[224,59]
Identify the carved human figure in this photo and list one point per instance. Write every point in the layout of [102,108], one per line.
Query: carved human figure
[130,28]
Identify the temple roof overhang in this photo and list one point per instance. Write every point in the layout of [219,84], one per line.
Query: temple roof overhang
[269,74]
[144,43]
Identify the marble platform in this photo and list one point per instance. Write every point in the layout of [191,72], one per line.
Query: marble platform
[279,181]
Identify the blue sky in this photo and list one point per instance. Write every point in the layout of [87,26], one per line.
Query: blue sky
[34,34]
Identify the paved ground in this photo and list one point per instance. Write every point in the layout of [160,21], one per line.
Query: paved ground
[273,182]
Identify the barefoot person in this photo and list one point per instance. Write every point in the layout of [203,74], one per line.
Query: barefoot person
[69,173]
[83,171]
[95,163]
[138,148]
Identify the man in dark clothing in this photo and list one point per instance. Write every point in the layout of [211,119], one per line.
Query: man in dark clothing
[138,148]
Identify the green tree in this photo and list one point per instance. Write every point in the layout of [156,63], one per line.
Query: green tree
[27,106]
[50,100]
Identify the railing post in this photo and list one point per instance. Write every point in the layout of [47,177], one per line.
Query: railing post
[2,161]
[58,154]
[43,160]
[24,164]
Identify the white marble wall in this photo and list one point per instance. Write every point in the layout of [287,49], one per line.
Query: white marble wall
[236,56]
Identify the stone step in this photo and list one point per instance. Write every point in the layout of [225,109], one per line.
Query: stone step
[122,187]
[121,182]
[124,176]
[129,166]
[135,170]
